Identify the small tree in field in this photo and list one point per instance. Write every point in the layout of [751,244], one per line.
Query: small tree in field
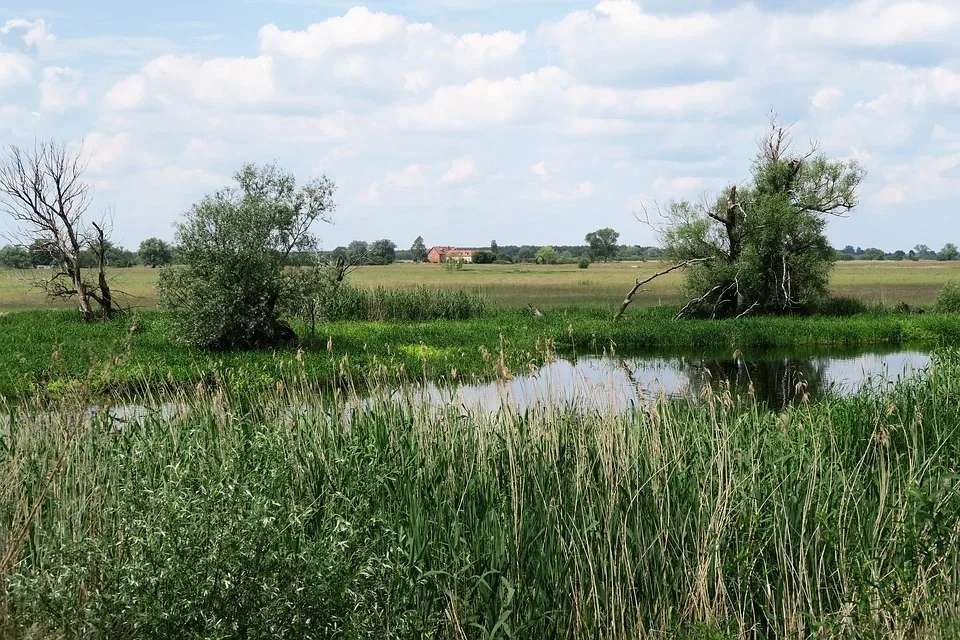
[154,252]
[43,192]
[603,244]
[234,246]
[762,247]
[419,250]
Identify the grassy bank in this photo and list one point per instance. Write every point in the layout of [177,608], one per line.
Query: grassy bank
[916,283]
[233,516]
[47,352]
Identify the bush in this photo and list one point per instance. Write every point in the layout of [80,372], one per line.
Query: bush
[234,246]
[584,263]
[949,299]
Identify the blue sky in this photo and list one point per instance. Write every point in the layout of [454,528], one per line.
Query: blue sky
[469,120]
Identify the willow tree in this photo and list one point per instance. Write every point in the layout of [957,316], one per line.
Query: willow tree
[235,247]
[761,247]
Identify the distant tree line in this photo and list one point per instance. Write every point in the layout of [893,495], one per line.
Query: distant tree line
[948,253]
[153,252]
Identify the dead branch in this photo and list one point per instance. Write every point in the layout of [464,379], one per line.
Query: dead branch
[639,283]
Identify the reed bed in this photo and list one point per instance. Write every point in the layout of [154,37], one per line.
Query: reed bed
[226,513]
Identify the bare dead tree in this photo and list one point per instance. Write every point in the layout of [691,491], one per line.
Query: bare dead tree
[637,287]
[43,192]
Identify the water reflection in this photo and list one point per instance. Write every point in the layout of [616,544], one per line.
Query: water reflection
[774,379]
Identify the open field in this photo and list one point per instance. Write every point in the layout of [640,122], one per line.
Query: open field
[246,514]
[916,283]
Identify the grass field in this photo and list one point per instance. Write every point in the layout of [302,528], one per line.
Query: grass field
[916,283]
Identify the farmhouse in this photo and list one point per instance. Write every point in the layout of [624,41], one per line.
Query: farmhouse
[437,255]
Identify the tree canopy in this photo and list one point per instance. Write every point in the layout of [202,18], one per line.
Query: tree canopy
[154,252]
[234,245]
[603,244]
[762,247]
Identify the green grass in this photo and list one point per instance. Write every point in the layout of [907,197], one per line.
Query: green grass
[915,283]
[262,514]
[48,352]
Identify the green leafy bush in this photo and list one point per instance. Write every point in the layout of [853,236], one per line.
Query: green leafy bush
[949,299]
[584,263]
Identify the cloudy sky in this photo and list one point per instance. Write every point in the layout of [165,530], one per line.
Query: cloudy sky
[471,120]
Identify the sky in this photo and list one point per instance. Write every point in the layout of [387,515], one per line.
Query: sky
[466,121]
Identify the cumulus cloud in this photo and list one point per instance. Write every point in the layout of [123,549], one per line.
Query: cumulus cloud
[386,52]
[104,150]
[540,169]
[826,98]
[221,82]
[61,89]
[15,68]
[460,169]
[35,32]
[410,177]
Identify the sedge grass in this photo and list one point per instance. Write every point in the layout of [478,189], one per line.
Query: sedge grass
[243,514]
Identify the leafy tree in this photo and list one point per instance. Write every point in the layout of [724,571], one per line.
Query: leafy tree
[873,254]
[419,250]
[494,247]
[584,263]
[912,255]
[924,252]
[547,255]
[526,253]
[762,248]
[235,245]
[155,252]
[15,257]
[358,252]
[483,257]
[948,253]
[383,252]
[603,244]
[899,255]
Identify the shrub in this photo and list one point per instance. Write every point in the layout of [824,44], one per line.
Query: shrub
[234,246]
[949,299]
[584,263]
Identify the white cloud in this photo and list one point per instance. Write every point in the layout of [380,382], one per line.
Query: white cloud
[540,169]
[384,51]
[61,89]
[103,150]
[35,32]
[224,82]
[129,93]
[410,177]
[369,195]
[878,23]
[892,194]
[826,98]
[15,68]
[460,169]
[581,191]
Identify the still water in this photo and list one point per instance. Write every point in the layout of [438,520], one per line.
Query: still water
[774,378]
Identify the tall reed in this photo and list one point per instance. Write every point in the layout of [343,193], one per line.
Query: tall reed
[219,514]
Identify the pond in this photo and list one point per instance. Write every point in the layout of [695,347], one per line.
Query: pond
[775,378]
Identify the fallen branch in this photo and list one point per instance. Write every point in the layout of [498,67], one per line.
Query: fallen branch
[639,283]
